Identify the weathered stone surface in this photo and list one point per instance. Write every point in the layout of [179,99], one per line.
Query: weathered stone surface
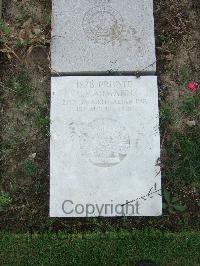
[105,146]
[103,35]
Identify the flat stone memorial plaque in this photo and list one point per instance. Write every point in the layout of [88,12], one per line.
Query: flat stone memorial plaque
[103,35]
[105,147]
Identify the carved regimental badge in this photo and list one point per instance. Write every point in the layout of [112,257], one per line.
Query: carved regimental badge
[105,142]
[103,24]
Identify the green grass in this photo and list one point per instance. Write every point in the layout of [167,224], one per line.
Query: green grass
[166,115]
[4,27]
[191,105]
[184,148]
[122,248]
[171,204]
[4,200]
[21,86]
[42,122]
[184,75]
[29,167]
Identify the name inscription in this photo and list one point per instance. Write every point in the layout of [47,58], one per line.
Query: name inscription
[95,95]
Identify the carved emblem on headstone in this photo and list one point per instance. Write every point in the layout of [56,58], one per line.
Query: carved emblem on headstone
[105,142]
[102,24]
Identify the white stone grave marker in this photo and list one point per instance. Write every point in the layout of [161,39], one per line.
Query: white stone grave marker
[105,146]
[103,35]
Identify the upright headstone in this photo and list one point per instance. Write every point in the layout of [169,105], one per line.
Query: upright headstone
[103,35]
[105,147]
